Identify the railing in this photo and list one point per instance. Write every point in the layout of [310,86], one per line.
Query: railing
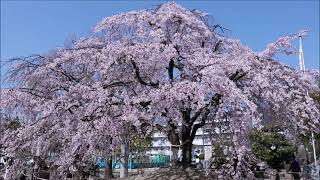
[33,177]
[309,172]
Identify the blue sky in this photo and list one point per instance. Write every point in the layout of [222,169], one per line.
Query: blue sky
[29,27]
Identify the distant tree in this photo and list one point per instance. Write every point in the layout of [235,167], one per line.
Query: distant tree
[219,157]
[11,123]
[139,144]
[305,136]
[270,144]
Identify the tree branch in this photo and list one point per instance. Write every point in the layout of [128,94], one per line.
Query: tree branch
[119,83]
[217,46]
[139,78]
[199,125]
[239,74]
[215,101]
[170,69]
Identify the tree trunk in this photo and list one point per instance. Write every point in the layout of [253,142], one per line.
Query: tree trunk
[77,176]
[140,161]
[108,174]
[173,137]
[189,129]
[187,152]
[174,158]
[187,136]
[108,169]
[187,140]
[124,159]
[139,164]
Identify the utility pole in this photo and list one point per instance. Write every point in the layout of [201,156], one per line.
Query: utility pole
[203,143]
[303,69]
[301,57]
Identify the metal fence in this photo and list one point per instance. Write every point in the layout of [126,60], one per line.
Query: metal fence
[308,172]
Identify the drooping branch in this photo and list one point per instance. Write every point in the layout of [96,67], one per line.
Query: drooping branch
[237,75]
[29,59]
[170,69]
[186,115]
[35,92]
[65,74]
[173,135]
[139,78]
[215,101]
[197,114]
[93,114]
[118,84]
[171,130]
[214,27]
[216,46]
[199,125]
[115,84]
[144,104]
[98,47]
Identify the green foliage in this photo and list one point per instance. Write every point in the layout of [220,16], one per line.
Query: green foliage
[306,137]
[140,144]
[12,123]
[219,157]
[270,145]
[316,97]
[201,156]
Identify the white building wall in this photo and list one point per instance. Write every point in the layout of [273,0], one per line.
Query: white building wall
[161,144]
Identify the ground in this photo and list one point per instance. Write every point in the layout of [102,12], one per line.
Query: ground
[172,173]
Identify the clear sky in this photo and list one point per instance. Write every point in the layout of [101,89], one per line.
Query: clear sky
[29,27]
